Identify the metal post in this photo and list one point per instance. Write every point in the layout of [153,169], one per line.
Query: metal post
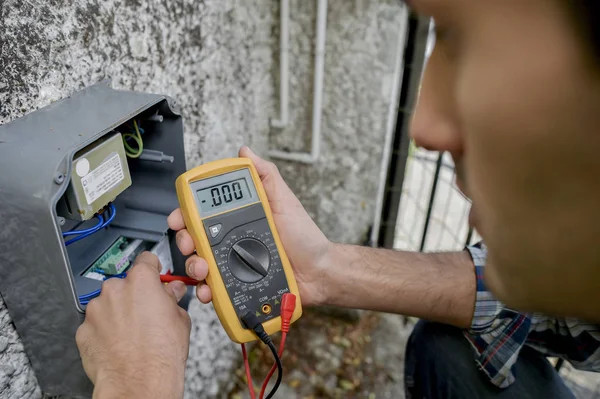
[469,236]
[414,56]
[438,167]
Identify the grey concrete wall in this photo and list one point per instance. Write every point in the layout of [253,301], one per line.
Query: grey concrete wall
[16,376]
[361,48]
[218,58]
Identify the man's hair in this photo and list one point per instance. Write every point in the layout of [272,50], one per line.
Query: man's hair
[586,15]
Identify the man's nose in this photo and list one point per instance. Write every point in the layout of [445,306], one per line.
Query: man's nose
[433,132]
[434,125]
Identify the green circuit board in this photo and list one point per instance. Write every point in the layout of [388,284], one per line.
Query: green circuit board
[119,256]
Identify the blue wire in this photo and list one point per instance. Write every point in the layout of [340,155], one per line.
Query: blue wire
[85,299]
[113,213]
[90,295]
[85,231]
[100,226]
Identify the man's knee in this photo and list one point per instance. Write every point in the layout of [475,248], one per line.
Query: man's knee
[432,340]
[438,357]
[435,348]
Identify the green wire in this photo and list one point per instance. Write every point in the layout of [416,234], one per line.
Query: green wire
[131,152]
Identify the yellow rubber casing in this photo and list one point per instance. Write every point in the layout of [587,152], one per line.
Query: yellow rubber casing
[193,221]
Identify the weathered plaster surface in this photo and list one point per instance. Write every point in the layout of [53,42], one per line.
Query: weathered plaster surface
[213,56]
[16,376]
[361,47]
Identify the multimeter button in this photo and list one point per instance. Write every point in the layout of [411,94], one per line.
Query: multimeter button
[249,260]
[215,230]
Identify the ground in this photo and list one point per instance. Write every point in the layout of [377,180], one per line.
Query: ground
[350,355]
[328,356]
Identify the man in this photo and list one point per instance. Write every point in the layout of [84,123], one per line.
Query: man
[512,91]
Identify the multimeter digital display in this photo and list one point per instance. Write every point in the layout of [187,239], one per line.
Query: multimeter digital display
[223,196]
[228,215]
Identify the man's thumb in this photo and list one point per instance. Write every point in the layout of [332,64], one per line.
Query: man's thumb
[176,289]
[263,167]
[277,190]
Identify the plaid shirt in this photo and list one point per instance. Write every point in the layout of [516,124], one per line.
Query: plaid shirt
[497,333]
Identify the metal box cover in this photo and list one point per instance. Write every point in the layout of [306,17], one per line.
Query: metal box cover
[36,281]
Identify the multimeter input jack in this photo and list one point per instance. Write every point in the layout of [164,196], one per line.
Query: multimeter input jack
[266,308]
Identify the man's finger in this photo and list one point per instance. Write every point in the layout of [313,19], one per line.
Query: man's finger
[176,289]
[196,267]
[82,336]
[204,293]
[175,220]
[185,243]
[147,260]
[277,190]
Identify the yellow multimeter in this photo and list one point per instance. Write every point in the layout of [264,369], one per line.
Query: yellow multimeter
[227,212]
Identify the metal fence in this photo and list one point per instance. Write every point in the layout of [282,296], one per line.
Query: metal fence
[433,214]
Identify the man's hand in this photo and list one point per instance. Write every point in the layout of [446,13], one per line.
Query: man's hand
[305,245]
[135,338]
[438,287]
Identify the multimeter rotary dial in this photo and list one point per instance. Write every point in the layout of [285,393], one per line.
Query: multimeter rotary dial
[249,260]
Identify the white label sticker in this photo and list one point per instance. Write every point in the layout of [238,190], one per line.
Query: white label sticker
[163,252]
[83,167]
[102,179]
[95,276]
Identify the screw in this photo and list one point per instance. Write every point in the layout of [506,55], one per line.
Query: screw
[59,178]
[61,220]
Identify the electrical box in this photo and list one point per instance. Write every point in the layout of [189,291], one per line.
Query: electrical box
[87,184]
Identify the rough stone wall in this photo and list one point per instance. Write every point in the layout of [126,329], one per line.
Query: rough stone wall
[339,190]
[16,376]
[213,56]
[218,59]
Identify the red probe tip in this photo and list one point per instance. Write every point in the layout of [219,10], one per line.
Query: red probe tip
[288,305]
[166,278]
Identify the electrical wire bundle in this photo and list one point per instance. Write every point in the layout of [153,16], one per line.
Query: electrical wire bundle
[288,305]
[83,233]
[140,152]
[137,137]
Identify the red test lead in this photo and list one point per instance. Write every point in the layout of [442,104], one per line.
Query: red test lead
[167,278]
[288,305]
